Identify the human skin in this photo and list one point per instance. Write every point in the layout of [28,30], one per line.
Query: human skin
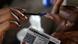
[7,21]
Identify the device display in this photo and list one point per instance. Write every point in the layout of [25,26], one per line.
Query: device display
[34,37]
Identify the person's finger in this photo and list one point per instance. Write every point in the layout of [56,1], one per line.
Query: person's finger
[8,17]
[19,16]
[14,24]
[21,10]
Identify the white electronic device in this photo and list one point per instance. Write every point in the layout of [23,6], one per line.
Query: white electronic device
[35,33]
